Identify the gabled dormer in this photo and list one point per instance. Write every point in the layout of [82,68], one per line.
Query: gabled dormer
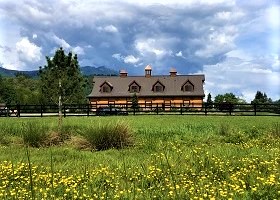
[134,87]
[106,87]
[158,87]
[188,86]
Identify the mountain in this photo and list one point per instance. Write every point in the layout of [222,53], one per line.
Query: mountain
[11,73]
[102,70]
[86,70]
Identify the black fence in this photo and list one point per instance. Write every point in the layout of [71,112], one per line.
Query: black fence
[141,109]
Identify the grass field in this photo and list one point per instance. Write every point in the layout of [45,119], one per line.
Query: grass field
[172,157]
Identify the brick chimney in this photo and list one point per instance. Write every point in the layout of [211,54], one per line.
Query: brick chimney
[173,72]
[148,71]
[123,73]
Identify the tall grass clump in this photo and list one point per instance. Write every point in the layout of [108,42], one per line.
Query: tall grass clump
[34,134]
[109,135]
[275,131]
[224,129]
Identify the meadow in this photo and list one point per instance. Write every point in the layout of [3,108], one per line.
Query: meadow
[167,157]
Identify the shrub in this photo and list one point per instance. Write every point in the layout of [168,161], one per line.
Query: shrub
[106,136]
[34,134]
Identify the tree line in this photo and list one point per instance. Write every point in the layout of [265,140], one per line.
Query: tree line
[60,81]
[59,78]
[260,98]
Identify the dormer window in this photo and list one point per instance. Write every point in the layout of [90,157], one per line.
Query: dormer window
[106,87]
[188,87]
[158,87]
[134,87]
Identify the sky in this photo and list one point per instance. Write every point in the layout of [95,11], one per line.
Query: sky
[234,43]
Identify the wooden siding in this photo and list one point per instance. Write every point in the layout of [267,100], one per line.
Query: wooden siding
[176,101]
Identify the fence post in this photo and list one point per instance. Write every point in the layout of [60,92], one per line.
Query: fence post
[41,109]
[18,110]
[64,111]
[255,109]
[157,108]
[181,109]
[88,107]
[230,108]
[205,111]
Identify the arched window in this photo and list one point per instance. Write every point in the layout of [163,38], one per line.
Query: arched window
[158,87]
[188,87]
[134,87]
[106,87]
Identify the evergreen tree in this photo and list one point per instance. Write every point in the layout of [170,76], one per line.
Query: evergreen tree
[261,98]
[209,101]
[134,100]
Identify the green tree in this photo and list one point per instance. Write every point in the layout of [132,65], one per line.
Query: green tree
[261,98]
[61,81]
[226,98]
[134,101]
[209,101]
[7,91]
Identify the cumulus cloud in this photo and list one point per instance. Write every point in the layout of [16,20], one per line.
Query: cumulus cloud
[193,36]
[28,51]
[61,42]
[243,78]
[154,46]
[130,59]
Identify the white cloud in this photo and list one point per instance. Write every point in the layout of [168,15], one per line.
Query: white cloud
[61,42]
[179,54]
[242,78]
[153,46]
[202,32]
[108,29]
[28,51]
[273,16]
[130,59]
[218,42]
[117,56]
[78,50]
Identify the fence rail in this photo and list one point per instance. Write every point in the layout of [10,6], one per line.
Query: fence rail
[141,109]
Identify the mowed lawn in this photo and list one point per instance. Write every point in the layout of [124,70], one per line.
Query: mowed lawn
[171,157]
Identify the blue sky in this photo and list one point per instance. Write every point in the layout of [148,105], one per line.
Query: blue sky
[235,43]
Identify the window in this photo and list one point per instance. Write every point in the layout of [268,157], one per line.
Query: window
[158,87]
[134,87]
[106,89]
[188,87]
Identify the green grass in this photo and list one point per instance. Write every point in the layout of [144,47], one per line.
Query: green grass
[179,157]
